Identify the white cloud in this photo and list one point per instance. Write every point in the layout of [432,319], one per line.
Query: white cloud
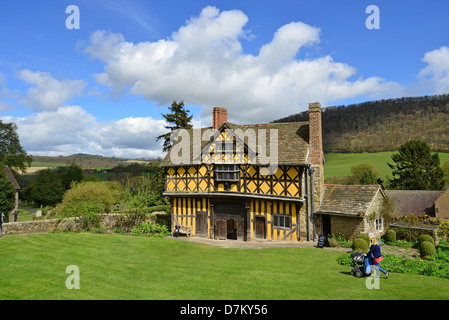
[70,129]
[203,63]
[49,93]
[437,70]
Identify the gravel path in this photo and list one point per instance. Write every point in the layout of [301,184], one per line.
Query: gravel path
[399,251]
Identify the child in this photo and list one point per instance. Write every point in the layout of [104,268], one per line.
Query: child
[177,227]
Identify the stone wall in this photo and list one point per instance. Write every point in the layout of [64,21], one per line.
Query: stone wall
[108,221]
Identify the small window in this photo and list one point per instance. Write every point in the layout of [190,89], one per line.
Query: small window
[379,223]
[226,172]
[282,221]
[225,147]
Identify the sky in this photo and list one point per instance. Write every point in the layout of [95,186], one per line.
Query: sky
[96,79]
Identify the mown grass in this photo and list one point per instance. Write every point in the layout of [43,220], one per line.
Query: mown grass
[340,164]
[128,268]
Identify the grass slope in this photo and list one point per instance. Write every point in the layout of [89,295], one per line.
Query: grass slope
[339,164]
[127,268]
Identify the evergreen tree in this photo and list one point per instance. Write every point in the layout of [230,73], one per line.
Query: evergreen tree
[11,151]
[48,188]
[178,119]
[416,168]
[71,173]
[365,173]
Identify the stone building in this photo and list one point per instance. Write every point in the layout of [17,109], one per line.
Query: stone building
[351,210]
[442,206]
[16,185]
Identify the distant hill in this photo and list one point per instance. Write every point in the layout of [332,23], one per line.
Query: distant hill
[81,159]
[384,125]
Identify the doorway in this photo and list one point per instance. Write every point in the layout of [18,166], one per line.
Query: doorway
[201,223]
[230,221]
[261,232]
[326,225]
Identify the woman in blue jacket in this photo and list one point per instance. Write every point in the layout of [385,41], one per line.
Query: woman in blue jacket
[375,257]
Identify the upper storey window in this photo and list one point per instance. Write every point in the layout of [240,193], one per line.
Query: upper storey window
[227,172]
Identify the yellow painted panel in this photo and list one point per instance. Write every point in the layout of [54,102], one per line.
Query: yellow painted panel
[203,171]
[293,189]
[203,186]
[265,187]
[234,187]
[181,185]
[192,170]
[278,188]
[279,173]
[292,172]
[251,171]
[192,185]
[181,170]
[251,186]
[269,218]
[170,171]
[170,186]
[221,187]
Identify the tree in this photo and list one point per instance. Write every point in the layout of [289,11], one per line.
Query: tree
[48,188]
[445,168]
[365,173]
[178,119]
[7,193]
[11,151]
[71,173]
[416,168]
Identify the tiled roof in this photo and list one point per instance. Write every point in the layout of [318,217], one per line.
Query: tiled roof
[418,202]
[11,178]
[293,140]
[348,199]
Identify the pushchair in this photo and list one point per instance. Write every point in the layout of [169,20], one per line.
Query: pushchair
[358,259]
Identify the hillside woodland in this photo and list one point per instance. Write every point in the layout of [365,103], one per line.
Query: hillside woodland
[384,125]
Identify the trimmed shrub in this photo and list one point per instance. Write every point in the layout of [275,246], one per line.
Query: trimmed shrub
[426,237]
[443,229]
[427,249]
[365,237]
[390,236]
[333,242]
[90,197]
[359,244]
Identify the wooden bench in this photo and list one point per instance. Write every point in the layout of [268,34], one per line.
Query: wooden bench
[185,231]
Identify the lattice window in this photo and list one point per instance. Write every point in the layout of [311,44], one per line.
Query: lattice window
[282,221]
[227,172]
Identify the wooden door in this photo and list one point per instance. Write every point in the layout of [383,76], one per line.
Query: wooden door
[260,228]
[220,229]
[201,223]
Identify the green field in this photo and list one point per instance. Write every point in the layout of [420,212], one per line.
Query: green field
[127,268]
[339,164]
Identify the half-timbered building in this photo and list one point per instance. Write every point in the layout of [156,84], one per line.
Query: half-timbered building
[247,182]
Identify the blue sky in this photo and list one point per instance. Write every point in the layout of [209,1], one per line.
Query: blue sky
[101,89]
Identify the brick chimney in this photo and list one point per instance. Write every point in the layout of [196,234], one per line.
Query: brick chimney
[220,115]
[315,134]
[316,156]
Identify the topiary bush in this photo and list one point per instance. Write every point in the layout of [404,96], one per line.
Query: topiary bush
[427,249]
[425,237]
[360,244]
[365,237]
[390,236]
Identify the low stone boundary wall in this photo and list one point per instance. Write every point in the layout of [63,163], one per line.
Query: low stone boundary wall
[108,221]
[410,232]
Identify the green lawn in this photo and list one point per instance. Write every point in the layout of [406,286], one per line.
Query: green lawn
[126,267]
[339,164]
